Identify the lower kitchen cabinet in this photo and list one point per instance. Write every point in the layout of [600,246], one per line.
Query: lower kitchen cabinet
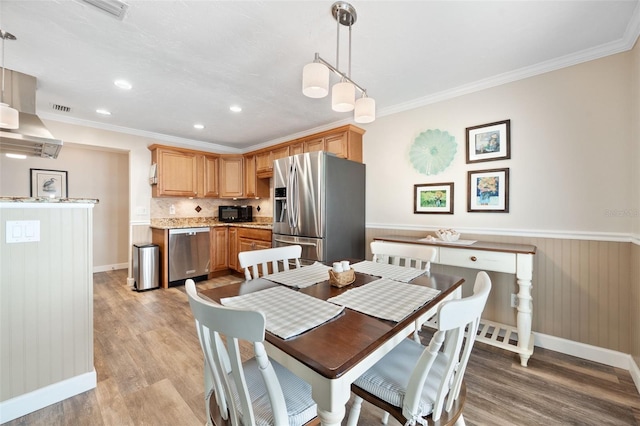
[247,239]
[219,248]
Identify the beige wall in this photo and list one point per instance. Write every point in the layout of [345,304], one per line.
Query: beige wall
[91,173]
[573,193]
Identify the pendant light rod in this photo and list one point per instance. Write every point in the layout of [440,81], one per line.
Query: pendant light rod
[342,75]
[5,36]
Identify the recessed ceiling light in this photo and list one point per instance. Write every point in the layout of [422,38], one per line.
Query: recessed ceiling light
[103,112]
[198,126]
[18,156]
[123,84]
[235,108]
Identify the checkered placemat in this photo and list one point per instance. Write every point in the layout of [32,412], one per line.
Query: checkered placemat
[386,299]
[302,277]
[288,312]
[385,270]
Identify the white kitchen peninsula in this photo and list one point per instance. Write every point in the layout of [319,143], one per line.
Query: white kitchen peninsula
[46,302]
[514,259]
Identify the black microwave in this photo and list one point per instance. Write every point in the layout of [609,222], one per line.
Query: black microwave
[235,213]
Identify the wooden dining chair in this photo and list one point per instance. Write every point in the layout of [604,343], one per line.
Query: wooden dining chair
[258,391]
[410,256]
[257,263]
[413,382]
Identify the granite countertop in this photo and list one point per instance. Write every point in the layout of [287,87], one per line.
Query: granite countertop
[48,200]
[196,222]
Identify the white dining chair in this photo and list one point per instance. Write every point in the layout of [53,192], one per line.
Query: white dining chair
[410,256]
[258,391]
[413,382]
[256,263]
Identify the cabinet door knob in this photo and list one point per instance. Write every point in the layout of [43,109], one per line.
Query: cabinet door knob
[473,258]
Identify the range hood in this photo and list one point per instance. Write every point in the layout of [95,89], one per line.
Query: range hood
[31,138]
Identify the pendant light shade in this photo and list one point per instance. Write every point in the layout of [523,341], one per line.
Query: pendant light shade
[9,118]
[365,110]
[315,80]
[343,96]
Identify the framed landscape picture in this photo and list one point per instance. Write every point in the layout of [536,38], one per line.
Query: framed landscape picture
[433,198]
[489,142]
[48,183]
[488,191]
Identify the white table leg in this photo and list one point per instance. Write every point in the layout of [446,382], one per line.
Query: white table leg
[524,276]
[332,397]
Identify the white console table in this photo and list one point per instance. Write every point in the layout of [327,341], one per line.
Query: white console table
[514,259]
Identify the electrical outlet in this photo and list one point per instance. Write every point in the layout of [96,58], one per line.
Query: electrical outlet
[514,300]
[172,209]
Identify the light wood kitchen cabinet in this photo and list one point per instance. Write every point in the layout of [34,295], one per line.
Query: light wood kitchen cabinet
[296,148]
[219,248]
[248,239]
[315,144]
[231,177]
[210,178]
[233,248]
[264,161]
[337,144]
[253,186]
[176,171]
[184,173]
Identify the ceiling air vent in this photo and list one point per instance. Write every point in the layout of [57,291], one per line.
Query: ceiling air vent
[115,8]
[60,108]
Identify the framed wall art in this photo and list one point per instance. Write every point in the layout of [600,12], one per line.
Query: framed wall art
[433,198]
[488,191]
[489,142]
[49,183]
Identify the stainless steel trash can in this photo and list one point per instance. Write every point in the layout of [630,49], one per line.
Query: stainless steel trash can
[146,265]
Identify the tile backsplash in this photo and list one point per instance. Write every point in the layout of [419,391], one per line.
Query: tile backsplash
[185,207]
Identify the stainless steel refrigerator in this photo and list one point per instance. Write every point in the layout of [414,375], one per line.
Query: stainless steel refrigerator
[319,203]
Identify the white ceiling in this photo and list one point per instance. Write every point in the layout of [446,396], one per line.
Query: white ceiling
[189,61]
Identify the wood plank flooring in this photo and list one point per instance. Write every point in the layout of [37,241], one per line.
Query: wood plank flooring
[149,367]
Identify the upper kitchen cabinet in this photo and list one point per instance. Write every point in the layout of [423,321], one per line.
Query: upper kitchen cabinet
[345,142]
[253,186]
[176,171]
[184,173]
[265,159]
[210,176]
[231,176]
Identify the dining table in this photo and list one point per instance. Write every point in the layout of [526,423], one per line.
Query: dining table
[332,355]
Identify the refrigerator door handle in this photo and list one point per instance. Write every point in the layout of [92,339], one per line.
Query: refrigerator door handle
[292,194]
[295,242]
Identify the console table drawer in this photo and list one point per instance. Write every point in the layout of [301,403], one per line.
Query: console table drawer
[479,259]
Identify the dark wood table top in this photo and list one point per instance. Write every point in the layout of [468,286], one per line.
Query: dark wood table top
[478,245]
[334,347]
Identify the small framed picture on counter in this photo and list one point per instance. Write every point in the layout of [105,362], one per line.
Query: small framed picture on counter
[433,198]
[49,183]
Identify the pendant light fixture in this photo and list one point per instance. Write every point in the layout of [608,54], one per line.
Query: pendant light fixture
[315,76]
[9,117]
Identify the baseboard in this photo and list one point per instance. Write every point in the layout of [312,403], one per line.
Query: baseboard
[591,353]
[32,401]
[105,268]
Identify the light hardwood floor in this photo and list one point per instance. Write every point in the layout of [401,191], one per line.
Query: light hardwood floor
[149,368]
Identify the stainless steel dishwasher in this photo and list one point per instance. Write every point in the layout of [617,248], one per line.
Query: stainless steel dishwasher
[188,254]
